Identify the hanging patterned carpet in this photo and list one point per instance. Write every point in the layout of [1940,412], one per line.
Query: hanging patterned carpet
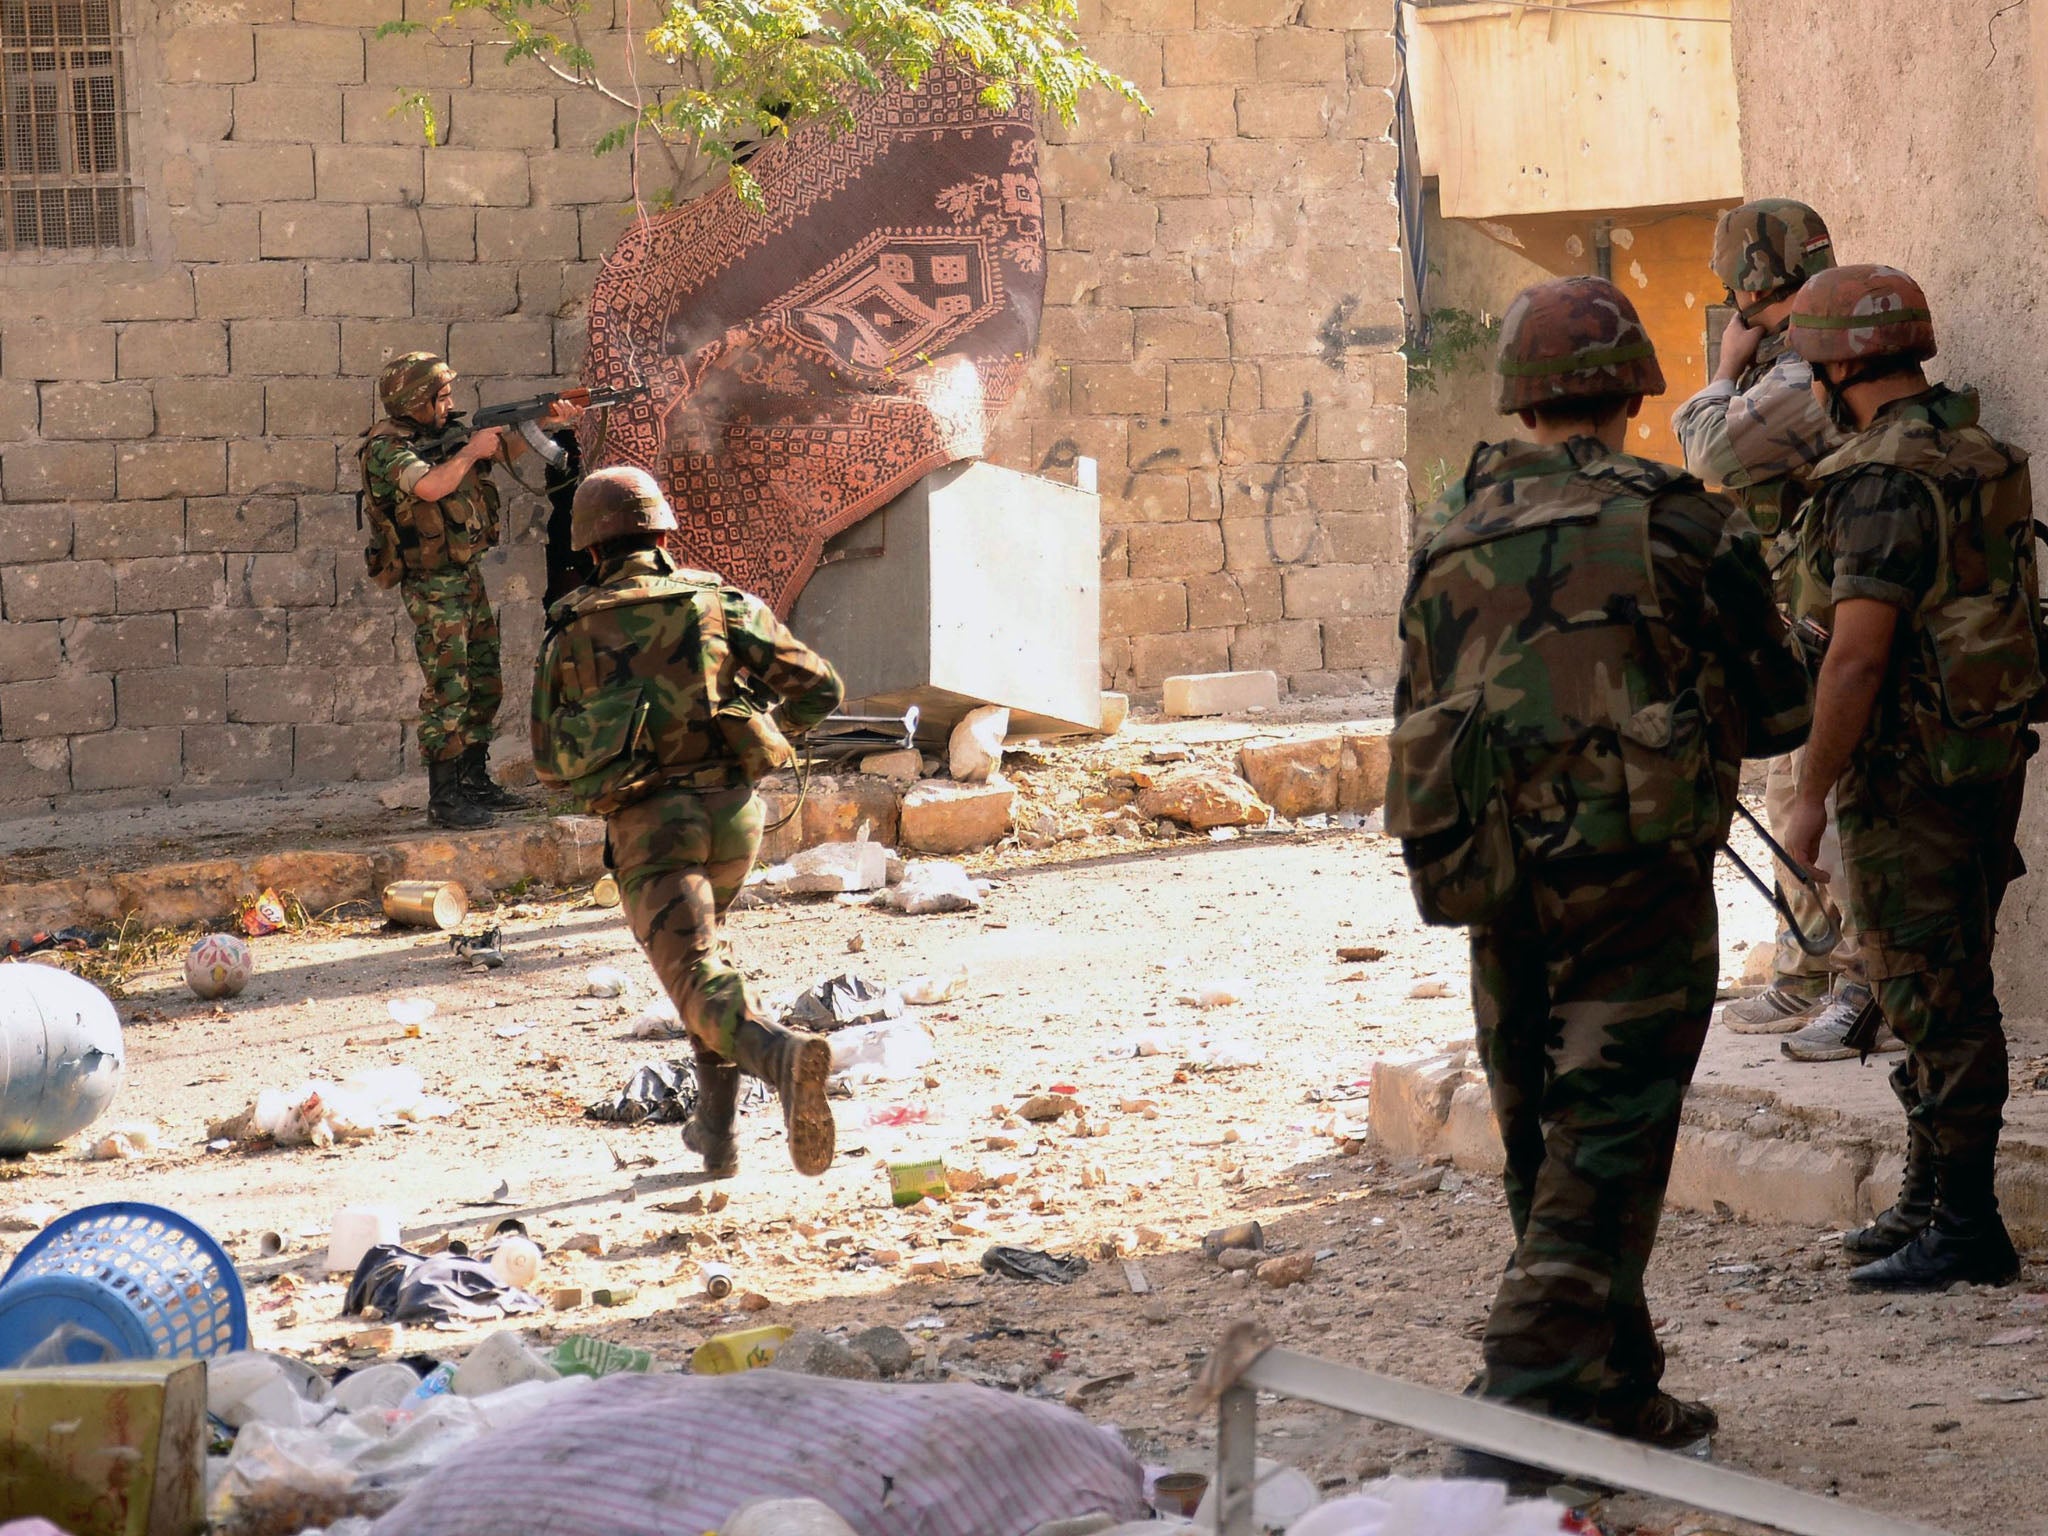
[810,360]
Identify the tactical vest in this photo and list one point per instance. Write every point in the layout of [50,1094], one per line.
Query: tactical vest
[412,537]
[1552,712]
[630,680]
[1968,667]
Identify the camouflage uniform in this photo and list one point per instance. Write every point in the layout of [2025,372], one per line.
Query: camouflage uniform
[1928,513]
[636,687]
[1758,437]
[1589,648]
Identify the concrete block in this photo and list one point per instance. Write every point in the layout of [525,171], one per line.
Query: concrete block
[478,177]
[152,470]
[380,290]
[171,895]
[464,292]
[1471,1133]
[1164,550]
[232,637]
[334,231]
[329,522]
[569,179]
[257,173]
[1154,658]
[503,120]
[30,773]
[175,582]
[285,695]
[1221,693]
[293,466]
[174,350]
[379,693]
[423,234]
[348,13]
[119,644]
[1288,647]
[238,754]
[366,346]
[209,54]
[502,348]
[251,290]
[208,408]
[343,637]
[215,233]
[1411,1101]
[241,524]
[376,114]
[316,408]
[1144,607]
[55,590]
[172,696]
[67,705]
[304,579]
[47,351]
[528,234]
[1809,1184]
[31,534]
[97,411]
[332,754]
[286,114]
[151,759]
[20,410]
[285,346]
[839,805]
[417,63]
[122,530]
[1210,58]
[939,816]
[369,173]
[29,651]
[905,767]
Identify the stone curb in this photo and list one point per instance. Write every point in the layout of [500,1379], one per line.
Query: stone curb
[1772,1161]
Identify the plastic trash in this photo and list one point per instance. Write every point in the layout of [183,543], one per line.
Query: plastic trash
[881,1053]
[119,1143]
[253,1387]
[516,1262]
[69,1344]
[410,1011]
[505,1359]
[355,1230]
[1220,992]
[1033,1264]
[377,1389]
[606,981]
[434,1384]
[925,991]
[840,1002]
[727,1354]
[1280,1497]
[659,1020]
[658,1093]
[581,1355]
[1401,1507]
[1225,1053]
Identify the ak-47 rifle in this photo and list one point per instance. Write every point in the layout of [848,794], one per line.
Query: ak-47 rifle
[526,414]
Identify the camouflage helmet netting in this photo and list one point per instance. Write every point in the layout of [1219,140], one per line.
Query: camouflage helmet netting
[1770,246]
[410,382]
[1852,313]
[612,503]
[1574,338]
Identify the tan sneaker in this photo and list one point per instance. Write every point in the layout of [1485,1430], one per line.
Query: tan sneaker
[1777,1010]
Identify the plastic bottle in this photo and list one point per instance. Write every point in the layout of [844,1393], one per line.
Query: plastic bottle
[516,1263]
[434,1384]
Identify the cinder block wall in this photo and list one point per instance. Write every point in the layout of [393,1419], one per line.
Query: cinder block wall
[182,605]
[1223,313]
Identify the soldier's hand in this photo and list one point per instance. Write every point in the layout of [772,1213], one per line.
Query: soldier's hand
[484,444]
[562,413]
[1738,349]
[1801,834]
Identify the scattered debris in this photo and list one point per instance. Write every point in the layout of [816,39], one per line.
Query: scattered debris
[1291,1269]
[833,868]
[319,1113]
[974,752]
[1202,798]
[657,1093]
[841,1002]
[1033,1264]
[934,885]
[1361,954]
[483,950]
[1041,1107]
[929,991]
[117,1143]
[1247,1234]
[407,1287]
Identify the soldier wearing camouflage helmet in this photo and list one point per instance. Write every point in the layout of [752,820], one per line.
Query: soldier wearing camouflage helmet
[1757,432]
[648,709]
[433,512]
[1589,649]
[1918,557]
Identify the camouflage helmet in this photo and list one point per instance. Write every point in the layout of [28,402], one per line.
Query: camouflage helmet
[409,383]
[1770,246]
[1852,313]
[612,503]
[1573,338]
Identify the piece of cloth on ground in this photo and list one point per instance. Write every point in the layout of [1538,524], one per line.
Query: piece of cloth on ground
[656,1455]
[411,1287]
[809,361]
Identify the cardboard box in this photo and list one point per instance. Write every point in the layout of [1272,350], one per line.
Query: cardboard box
[106,1450]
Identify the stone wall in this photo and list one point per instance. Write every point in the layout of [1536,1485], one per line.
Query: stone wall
[182,606]
[1221,328]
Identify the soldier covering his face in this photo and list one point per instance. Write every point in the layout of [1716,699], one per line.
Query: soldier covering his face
[647,709]
[1589,650]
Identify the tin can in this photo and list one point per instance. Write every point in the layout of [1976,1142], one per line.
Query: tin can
[912,1182]
[727,1354]
[717,1281]
[606,892]
[426,903]
[1179,1493]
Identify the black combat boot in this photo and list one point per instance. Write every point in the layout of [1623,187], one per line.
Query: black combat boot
[797,1066]
[1914,1209]
[447,805]
[480,788]
[709,1133]
[1978,1252]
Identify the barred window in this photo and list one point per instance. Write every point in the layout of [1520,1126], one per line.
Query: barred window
[64,127]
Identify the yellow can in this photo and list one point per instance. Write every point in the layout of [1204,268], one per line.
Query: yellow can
[727,1354]
[426,903]
[606,892]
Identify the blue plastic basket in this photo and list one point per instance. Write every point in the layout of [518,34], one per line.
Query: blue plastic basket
[147,1280]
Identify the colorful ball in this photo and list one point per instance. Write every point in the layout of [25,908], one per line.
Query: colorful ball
[218,965]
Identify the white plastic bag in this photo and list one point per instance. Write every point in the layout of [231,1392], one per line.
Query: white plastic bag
[881,1053]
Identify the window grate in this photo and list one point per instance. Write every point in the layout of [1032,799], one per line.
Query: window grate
[64,127]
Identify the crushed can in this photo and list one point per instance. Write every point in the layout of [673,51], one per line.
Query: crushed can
[727,1354]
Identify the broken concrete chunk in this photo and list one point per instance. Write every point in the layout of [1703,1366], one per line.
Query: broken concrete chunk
[1291,1269]
[1116,709]
[902,767]
[939,817]
[1296,778]
[831,868]
[1202,798]
[975,751]
[1221,693]
[890,1350]
[813,1354]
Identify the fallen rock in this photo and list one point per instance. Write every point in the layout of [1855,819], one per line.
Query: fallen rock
[975,750]
[1362,781]
[810,1353]
[1202,798]
[939,817]
[1290,1269]
[1240,1258]
[1047,1106]
[1116,709]
[1296,778]
[1221,693]
[890,1350]
[831,868]
[905,766]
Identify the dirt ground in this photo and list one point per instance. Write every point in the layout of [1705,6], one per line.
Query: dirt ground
[1068,965]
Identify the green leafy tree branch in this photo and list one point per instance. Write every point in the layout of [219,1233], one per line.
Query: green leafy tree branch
[738,74]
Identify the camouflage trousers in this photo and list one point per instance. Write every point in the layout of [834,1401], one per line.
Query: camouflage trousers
[455,635]
[681,858]
[1791,963]
[1592,995]
[1926,870]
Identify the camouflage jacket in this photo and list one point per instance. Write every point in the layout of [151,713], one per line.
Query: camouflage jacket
[424,536]
[1588,650]
[1759,437]
[1928,512]
[642,673]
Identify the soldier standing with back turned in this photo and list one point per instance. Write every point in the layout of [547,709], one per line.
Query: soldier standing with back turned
[646,709]
[1589,649]
[1918,557]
